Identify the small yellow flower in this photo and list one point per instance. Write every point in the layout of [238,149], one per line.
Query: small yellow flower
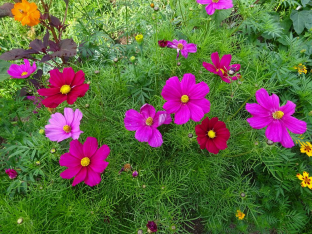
[306,148]
[240,215]
[306,180]
[301,68]
[139,38]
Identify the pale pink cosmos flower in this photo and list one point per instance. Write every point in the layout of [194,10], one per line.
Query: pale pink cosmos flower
[182,46]
[64,126]
[22,71]
[186,98]
[277,118]
[216,5]
[222,67]
[85,162]
[146,123]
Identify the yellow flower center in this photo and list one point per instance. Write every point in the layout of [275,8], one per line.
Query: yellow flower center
[278,114]
[149,121]
[221,70]
[185,99]
[85,162]
[211,134]
[215,1]
[180,46]
[24,74]
[65,89]
[67,128]
[306,180]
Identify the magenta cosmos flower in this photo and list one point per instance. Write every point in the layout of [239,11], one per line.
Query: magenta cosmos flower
[64,86]
[85,162]
[216,5]
[151,227]
[11,173]
[146,123]
[63,127]
[222,67]
[22,71]
[278,119]
[182,46]
[186,98]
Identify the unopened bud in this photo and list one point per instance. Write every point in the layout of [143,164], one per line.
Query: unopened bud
[178,64]
[310,113]
[243,195]
[269,142]
[143,186]
[132,58]
[20,220]
[115,60]
[41,131]
[97,72]
[232,71]
[53,151]
[156,8]
[135,174]
[38,163]
[87,105]
[140,231]
[190,135]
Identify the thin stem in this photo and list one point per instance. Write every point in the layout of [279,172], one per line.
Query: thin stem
[239,109]
[127,21]
[237,155]
[181,12]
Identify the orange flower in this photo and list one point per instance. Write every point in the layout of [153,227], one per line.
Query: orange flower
[27,13]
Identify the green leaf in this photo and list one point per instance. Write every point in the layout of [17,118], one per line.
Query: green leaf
[221,15]
[4,67]
[304,2]
[301,19]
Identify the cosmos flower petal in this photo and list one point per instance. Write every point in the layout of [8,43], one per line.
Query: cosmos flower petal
[204,1]
[172,89]
[101,154]
[93,178]
[70,172]
[77,91]
[295,125]
[196,112]
[48,92]
[187,83]
[286,140]
[202,141]
[184,53]
[210,67]
[199,91]
[160,118]
[211,147]
[236,66]
[54,100]
[264,99]
[226,60]
[220,143]
[191,48]
[81,176]
[156,138]
[172,106]
[288,108]
[182,115]
[68,74]
[90,147]
[143,133]
[259,122]
[69,115]
[67,160]
[56,78]
[147,110]
[215,59]
[210,9]
[79,78]
[133,120]
[98,166]
[76,149]
[203,103]
[257,110]
[274,131]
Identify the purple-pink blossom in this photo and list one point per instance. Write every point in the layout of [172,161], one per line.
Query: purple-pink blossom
[222,67]
[64,126]
[182,46]
[277,118]
[11,173]
[216,5]
[22,71]
[145,123]
[186,98]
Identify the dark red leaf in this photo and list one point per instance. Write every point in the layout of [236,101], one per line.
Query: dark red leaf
[55,22]
[16,54]
[53,46]
[37,45]
[5,9]
[68,48]
[45,58]
[66,1]
[46,39]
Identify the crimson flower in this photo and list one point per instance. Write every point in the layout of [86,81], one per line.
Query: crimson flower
[163,43]
[212,134]
[66,86]
[151,227]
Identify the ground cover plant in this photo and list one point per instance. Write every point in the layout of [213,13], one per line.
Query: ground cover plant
[155,117]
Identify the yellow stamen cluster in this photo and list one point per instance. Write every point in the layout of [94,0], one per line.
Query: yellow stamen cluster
[139,38]
[185,99]
[306,148]
[211,134]
[65,89]
[67,128]
[180,46]
[220,69]
[85,162]
[278,114]
[240,215]
[215,1]
[306,180]
[24,74]
[301,69]
[149,121]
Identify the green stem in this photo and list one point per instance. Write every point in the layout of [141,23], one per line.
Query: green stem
[239,109]
[181,12]
[237,155]
[127,21]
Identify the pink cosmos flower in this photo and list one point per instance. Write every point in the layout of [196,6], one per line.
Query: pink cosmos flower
[186,98]
[216,5]
[22,71]
[222,67]
[278,119]
[11,173]
[63,127]
[85,162]
[146,123]
[182,46]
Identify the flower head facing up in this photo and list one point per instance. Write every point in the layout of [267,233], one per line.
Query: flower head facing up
[301,69]
[306,180]
[212,134]
[145,123]
[277,118]
[139,38]
[306,148]
[222,67]
[240,215]
[182,46]
[163,43]
[22,71]
[66,86]
[63,127]
[186,98]
[151,227]
[85,162]
[216,5]
[27,13]
[11,173]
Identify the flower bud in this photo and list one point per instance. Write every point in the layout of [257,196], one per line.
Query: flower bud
[156,8]
[152,5]
[178,64]
[38,163]
[127,167]
[41,131]
[135,174]
[97,72]
[89,82]
[53,151]
[51,110]
[243,195]
[232,71]
[115,60]
[132,59]
[151,227]
[87,105]
[310,113]
[139,38]
[143,186]
[190,135]
[20,220]
[140,231]
[269,142]
[163,43]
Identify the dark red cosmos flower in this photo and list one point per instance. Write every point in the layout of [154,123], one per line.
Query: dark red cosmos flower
[163,43]
[151,227]
[212,134]
[64,86]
